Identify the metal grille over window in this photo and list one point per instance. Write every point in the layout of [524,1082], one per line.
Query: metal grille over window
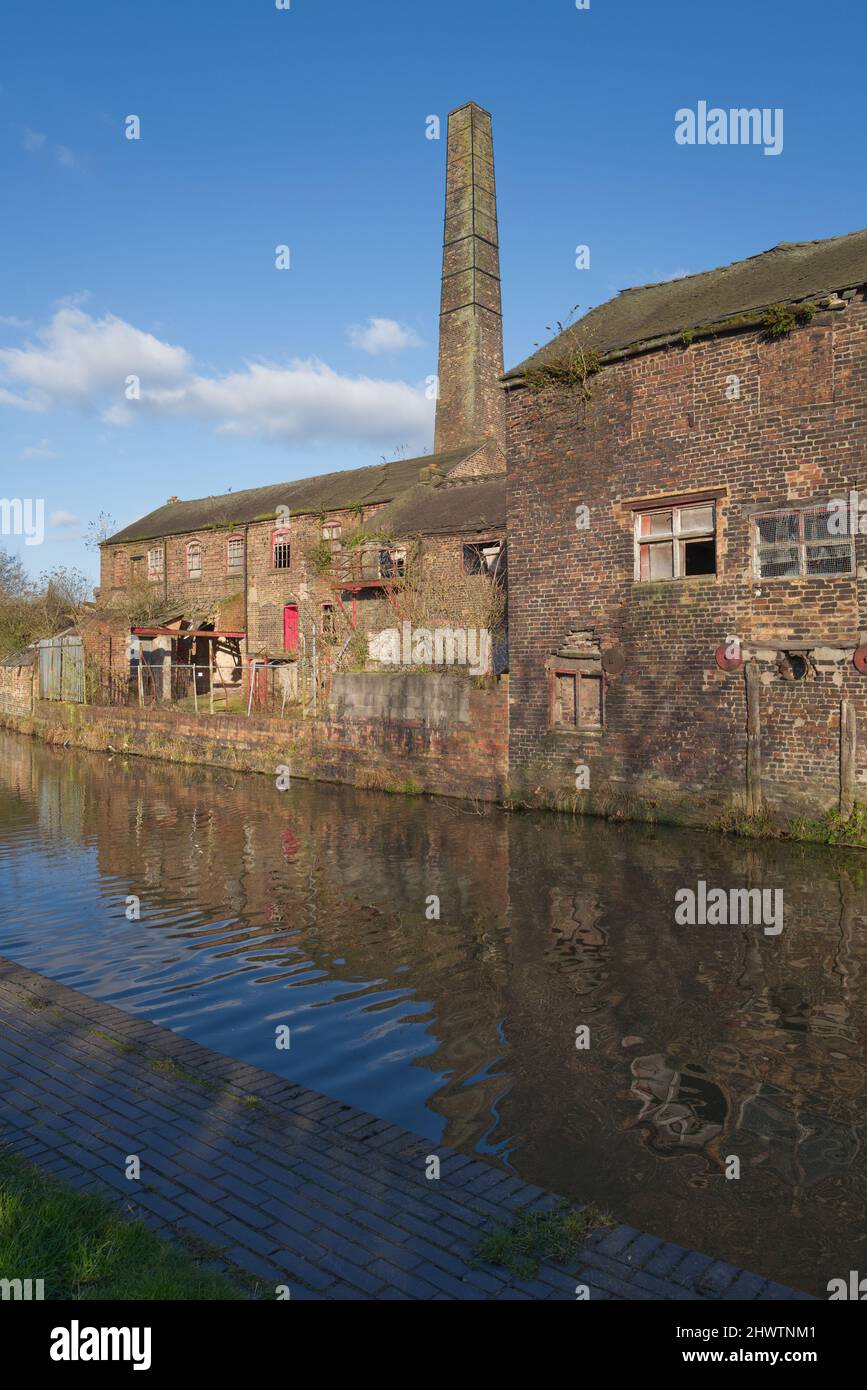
[281,553]
[794,543]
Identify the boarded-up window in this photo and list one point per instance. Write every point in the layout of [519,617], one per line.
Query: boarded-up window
[577,700]
[809,542]
[675,542]
[590,702]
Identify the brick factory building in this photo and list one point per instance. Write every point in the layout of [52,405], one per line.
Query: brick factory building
[687,617]
[265,568]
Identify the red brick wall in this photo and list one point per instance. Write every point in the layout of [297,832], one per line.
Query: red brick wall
[675,731]
[269,590]
[449,758]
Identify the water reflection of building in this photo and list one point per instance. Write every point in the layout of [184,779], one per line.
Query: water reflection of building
[704,1042]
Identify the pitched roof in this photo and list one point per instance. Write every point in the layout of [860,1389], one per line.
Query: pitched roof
[792,271]
[377,483]
[446,508]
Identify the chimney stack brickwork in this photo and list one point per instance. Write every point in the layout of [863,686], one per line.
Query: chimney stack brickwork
[471,401]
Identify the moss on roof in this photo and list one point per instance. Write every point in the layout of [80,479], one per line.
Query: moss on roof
[787,273]
[353,487]
[446,508]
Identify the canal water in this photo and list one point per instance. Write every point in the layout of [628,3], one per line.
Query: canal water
[312,907]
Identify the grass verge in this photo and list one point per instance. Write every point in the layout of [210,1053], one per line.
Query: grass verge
[84,1250]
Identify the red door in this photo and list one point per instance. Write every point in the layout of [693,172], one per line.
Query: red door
[290,627]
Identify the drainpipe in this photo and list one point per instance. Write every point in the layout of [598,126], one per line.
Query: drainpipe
[251,674]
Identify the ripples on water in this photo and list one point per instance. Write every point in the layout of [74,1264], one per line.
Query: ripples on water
[308,908]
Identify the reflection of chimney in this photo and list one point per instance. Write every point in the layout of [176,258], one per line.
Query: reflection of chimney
[471,404]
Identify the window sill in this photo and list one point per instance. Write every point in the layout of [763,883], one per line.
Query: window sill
[570,731]
[683,579]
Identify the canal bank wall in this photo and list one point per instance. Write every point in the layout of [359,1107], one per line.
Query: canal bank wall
[414,733]
[289,1187]
[406,733]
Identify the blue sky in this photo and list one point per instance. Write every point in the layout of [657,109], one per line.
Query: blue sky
[306,127]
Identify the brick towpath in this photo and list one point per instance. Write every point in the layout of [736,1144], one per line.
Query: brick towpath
[290,1186]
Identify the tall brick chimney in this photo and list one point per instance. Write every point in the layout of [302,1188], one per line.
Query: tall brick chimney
[471,404]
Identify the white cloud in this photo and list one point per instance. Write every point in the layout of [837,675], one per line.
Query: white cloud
[66,157]
[383,335]
[39,451]
[83,362]
[32,140]
[77,358]
[64,519]
[10,321]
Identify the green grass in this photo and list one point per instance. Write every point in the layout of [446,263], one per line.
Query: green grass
[538,1237]
[84,1250]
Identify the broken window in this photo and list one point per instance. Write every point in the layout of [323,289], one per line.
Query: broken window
[327,624]
[577,699]
[194,560]
[281,547]
[156,562]
[789,544]
[481,557]
[676,542]
[235,555]
[332,534]
[392,564]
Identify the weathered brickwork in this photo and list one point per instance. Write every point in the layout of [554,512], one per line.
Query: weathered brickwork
[663,425]
[259,610]
[416,749]
[470,404]
[16,689]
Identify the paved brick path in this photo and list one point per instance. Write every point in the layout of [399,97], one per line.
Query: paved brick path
[291,1187]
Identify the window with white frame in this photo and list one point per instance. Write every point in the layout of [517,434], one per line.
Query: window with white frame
[789,544]
[194,560]
[675,542]
[235,555]
[156,562]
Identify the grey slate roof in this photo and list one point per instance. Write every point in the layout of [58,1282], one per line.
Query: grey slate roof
[378,483]
[467,504]
[787,273]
